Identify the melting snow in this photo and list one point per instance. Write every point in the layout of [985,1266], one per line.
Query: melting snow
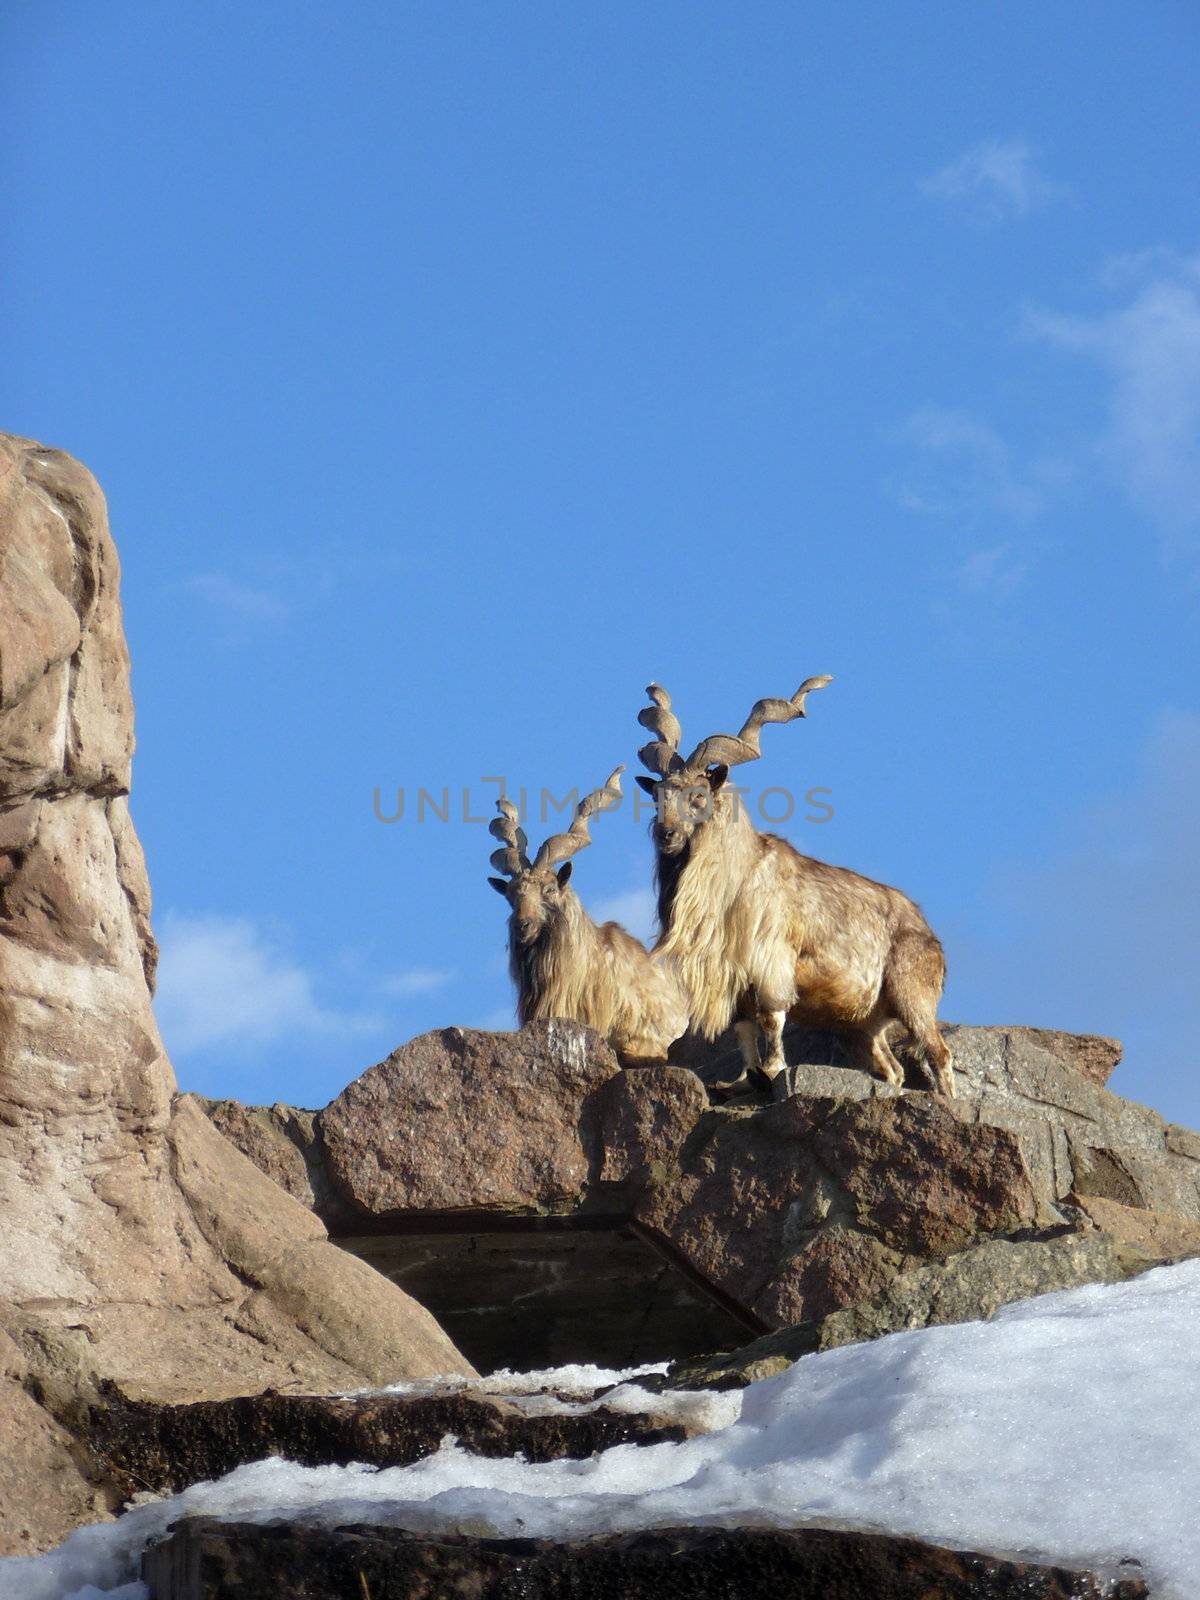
[572,1391]
[1068,1428]
[580,1379]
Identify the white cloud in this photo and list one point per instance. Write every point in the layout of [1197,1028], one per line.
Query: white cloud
[998,177]
[964,467]
[237,599]
[226,981]
[417,980]
[1149,351]
[635,910]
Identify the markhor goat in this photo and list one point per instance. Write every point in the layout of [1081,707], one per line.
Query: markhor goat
[562,963]
[759,933]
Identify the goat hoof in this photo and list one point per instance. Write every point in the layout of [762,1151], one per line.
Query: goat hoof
[727,1086]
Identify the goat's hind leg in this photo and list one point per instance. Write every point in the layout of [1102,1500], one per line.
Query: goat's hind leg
[937,1053]
[883,1061]
[914,987]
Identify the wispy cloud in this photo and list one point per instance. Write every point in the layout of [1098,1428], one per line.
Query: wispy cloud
[241,600]
[417,980]
[998,178]
[227,981]
[634,910]
[999,572]
[1149,352]
[963,467]
[1129,269]
[1106,937]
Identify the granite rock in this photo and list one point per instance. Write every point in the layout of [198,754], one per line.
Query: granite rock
[203,1559]
[965,1287]
[462,1120]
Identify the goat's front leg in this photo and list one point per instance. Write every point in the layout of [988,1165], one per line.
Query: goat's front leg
[773,1063]
[746,1029]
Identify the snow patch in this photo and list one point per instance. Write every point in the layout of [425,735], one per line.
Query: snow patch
[579,1378]
[1066,1429]
[575,1390]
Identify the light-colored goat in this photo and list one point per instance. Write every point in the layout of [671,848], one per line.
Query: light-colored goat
[565,965]
[759,933]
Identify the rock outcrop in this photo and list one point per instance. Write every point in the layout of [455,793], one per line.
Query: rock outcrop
[49,1482]
[842,1211]
[167,1448]
[460,1118]
[209,1560]
[139,1248]
[961,1288]
[1046,1087]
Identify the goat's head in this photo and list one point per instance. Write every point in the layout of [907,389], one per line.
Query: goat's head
[685,789]
[537,890]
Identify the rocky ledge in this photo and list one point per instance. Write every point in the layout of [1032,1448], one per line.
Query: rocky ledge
[143,1447]
[621,1216]
[209,1560]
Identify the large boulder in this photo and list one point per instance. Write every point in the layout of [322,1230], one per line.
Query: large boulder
[803,1206]
[1077,1136]
[462,1120]
[139,1247]
[279,1139]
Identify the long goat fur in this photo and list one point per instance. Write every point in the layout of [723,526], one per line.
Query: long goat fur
[760,934]
[565,965]
[599,975]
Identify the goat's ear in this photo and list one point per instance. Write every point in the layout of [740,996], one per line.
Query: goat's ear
[650,785]
[564,875]
[716,776]
[500,886]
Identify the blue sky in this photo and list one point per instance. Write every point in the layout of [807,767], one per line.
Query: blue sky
[452,371]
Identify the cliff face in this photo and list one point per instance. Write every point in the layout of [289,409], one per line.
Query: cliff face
[137,1246]
[85,1084]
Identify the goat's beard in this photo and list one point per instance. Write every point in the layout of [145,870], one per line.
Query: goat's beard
[668,869]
